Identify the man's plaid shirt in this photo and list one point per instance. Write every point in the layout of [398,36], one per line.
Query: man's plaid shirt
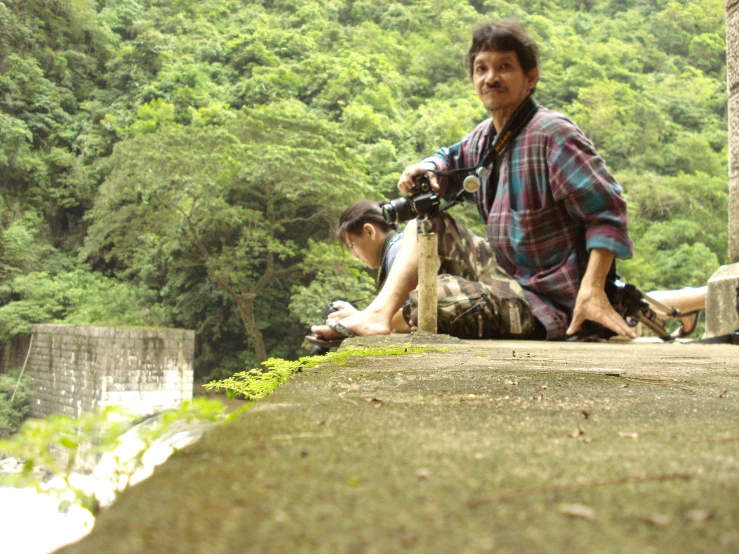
[555,201]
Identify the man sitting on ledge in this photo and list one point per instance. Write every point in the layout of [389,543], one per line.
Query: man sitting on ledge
[556,219]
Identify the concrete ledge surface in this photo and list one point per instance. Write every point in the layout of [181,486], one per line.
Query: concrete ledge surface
[503,447]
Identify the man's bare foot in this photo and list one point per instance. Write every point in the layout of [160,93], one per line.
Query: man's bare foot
[361,324]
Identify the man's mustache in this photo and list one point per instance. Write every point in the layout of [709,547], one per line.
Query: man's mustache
[496,86]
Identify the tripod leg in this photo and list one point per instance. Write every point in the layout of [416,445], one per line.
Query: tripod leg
[667,311]
[654,325]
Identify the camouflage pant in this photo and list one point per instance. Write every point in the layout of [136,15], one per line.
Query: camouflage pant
[476,298]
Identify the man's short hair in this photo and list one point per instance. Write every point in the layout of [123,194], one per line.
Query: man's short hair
[504,36]
[355,216]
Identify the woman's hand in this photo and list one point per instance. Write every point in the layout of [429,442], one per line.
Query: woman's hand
[343,309]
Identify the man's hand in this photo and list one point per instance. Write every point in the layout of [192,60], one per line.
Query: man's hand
[593,304]
[405,184]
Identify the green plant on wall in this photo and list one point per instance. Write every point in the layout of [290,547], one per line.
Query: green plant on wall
[260,382]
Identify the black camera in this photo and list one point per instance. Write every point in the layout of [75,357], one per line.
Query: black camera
[328,309]
[629,302]
[423,201]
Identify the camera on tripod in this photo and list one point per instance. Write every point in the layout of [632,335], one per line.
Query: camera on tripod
[423,201]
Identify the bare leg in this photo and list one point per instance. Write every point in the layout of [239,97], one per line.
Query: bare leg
[402,279]
[398,324]
[686,300]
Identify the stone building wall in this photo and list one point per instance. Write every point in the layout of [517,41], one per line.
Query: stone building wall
[78,369]
[732,73]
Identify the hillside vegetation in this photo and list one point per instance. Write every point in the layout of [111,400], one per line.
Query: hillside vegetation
[180,162]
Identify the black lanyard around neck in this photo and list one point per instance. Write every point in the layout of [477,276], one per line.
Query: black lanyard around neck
[497,146]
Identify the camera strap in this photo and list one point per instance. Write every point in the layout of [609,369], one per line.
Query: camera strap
[497,146]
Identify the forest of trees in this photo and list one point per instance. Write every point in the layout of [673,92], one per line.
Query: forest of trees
[180,162]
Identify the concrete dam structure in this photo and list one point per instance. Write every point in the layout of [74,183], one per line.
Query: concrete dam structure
[78,369]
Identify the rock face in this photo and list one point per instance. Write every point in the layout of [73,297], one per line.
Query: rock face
[732,78]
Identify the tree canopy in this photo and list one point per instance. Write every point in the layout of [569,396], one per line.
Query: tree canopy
[191,157]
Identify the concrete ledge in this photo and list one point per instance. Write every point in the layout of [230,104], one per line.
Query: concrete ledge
[477,450]
[732,46]
[732,80]
[721,316]
[734,221]
[734,133]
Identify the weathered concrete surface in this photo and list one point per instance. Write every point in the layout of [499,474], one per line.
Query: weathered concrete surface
[721,311]
[474,450]
[732,78]
[77,369]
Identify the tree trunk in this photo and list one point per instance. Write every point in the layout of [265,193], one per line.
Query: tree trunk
[245,304]
[246,311]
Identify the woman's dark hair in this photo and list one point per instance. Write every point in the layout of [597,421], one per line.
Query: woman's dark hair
[355,216]
[504,36]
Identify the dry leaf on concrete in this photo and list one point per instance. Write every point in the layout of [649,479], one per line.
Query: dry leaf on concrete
[577,431]
[375,401]
[699,516]
[423,474]
[658,520]
[577,510]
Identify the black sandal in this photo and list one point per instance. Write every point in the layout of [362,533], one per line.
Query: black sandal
[339,329]
[681,333]
[326,344]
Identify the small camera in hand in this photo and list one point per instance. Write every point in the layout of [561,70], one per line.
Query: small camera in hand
[423,201]
[327,310]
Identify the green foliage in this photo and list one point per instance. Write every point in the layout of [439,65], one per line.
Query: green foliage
[55,444]
[129,128]
[260,382]
[337,276]
[13,413]
[227,199]
[21,250]
[64,291]
[80,297]
[678,239]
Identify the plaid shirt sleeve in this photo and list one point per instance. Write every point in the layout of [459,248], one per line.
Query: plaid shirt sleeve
[579,178]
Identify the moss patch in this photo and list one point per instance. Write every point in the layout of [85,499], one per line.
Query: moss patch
[260,382]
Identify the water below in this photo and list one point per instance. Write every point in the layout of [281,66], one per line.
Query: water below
[31,522]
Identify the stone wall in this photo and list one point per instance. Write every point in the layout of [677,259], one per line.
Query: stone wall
[77,369]
[732,73]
